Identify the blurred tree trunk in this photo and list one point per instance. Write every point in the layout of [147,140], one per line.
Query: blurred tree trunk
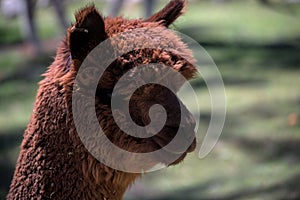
[60,12]
[115,6]
[28,22]
[266,2]
[29,26]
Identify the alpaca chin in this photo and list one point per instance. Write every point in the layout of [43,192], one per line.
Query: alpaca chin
[158,166]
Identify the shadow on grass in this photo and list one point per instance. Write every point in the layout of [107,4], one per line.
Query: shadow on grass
[267,58]
[8,141]
[30,70]
[290,188]
[270,149]
[6,174]
[202,35]
[279,54]
[231,81]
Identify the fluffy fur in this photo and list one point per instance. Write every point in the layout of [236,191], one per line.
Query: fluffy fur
[53,163]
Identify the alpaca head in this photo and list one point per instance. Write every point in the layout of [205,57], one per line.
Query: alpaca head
[156,55]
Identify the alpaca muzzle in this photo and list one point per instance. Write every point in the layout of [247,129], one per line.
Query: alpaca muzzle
[178,134]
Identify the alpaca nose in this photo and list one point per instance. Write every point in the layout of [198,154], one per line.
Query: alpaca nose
[188,125]
[188,121]
[183,119]
[184,140]
[189,132]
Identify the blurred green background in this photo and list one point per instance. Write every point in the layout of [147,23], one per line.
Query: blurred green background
[256,47]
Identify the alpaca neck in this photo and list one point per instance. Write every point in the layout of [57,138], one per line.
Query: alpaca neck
[53,162]
[106,183]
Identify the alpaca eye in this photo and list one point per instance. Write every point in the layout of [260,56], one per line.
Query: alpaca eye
[79,29]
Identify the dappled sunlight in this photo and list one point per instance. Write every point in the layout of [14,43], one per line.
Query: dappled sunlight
[256,49]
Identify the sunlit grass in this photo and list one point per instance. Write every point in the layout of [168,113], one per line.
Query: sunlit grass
[241,21]
[262,89]
[16,103]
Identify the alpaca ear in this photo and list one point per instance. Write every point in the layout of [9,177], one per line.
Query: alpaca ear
[169,13]
[87,32]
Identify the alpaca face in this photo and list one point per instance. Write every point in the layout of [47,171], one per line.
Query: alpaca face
[179,121]
[143,65]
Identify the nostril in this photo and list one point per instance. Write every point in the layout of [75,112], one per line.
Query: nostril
[190,123]
[189,127]
[189,132]
[191,120]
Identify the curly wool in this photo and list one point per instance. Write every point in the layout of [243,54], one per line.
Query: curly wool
[53,163]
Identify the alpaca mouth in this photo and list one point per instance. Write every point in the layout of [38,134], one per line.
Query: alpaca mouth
[185,141]
[178,156]
[192,147]
[189,149]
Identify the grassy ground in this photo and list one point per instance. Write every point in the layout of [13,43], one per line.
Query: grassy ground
[256,49]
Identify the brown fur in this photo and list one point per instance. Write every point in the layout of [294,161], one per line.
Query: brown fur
[53,163]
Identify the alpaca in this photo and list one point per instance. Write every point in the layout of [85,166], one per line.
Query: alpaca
[53,162]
